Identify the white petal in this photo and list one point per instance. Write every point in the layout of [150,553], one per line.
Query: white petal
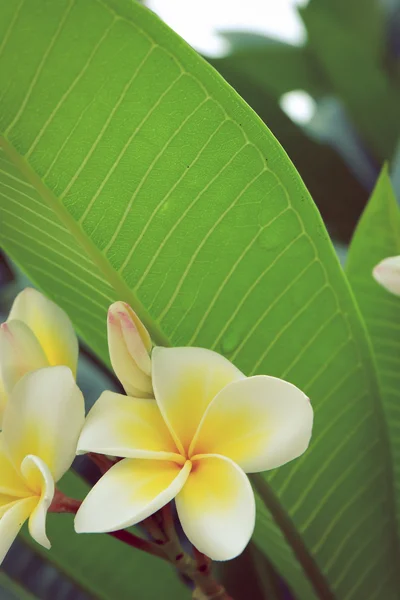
[185,380]
[387,273]
[129,492]
[44,417]
[50,324]
[11,481]
[3,400]
[20,353]
[12,521]
[127,427]
[216,507]
[39,478]
[129,346]
[261,423]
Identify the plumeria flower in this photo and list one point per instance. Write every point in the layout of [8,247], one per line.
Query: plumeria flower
[206,428]
[387,273]
[37,334]
[41,425]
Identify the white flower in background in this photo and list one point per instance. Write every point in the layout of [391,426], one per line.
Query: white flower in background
[41,425]
[37,334]
[387,273]
[206,428]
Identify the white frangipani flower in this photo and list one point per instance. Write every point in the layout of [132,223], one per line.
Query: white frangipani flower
[41,425]
[208,425]
[37,334]
[387,273]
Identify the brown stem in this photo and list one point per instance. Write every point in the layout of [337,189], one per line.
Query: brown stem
[101,461]
[197,568]
[63,504]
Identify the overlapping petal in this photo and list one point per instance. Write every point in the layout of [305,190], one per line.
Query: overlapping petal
[129,492]
[20,353]
[44,417]
[51,326]
[11,522]
[3,399]
[11,481]
[127,427]
[260,422]
[39,479]
[185,380]
[216,507]
[129,346]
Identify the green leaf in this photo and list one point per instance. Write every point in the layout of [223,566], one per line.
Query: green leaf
[275,66]
[377,237]
[10,590]
[316,162]
[131,170]
[352,59]
[366,18]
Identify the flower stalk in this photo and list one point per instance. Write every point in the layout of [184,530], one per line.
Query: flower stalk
[165,544]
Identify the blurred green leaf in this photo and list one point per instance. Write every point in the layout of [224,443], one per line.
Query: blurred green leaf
[131,170]
[377,237]
[346,40]
[366,18]
[276,67]
[10,590]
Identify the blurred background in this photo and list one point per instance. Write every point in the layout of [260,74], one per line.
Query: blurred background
[324,75]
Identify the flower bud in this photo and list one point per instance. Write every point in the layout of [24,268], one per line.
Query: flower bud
[129,344]
[387,273]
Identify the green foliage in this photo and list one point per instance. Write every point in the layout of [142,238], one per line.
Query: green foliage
[261,75]
[350,51]
[377,237]
[10,590]
[130,170]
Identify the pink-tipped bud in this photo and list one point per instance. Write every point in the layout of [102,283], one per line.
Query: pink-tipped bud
[387,273]
[129,344]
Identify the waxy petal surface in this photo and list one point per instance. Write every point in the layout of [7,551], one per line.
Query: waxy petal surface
[216,507]
[260,422]
[20,353]
[12,521]
[129,492]
[39,478]
[11,482]
[387,273]
[127,427]
[185,380]
[44,417]
[50,324]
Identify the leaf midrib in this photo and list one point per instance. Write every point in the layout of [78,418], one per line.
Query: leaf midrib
[111,276]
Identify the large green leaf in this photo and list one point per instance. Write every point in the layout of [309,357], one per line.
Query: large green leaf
[377,237]
[131,170]
[337,193]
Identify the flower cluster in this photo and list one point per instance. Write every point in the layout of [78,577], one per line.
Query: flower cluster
[189,428]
